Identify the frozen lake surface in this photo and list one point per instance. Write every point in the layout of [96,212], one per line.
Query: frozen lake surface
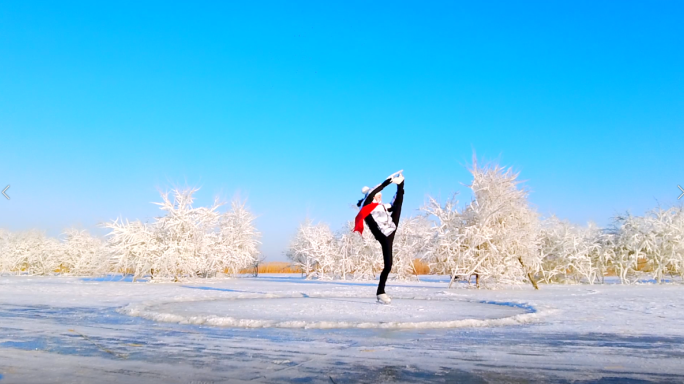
[279,328]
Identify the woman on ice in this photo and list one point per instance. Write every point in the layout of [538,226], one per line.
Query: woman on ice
[382,220]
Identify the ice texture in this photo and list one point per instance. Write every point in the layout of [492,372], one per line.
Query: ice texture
[64,329]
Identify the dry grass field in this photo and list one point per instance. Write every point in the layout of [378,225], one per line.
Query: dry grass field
[274,267]
[420,267]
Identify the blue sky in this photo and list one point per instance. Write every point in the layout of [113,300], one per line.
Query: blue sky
[296,106]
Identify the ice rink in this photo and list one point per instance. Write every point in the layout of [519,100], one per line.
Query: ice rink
[282,328]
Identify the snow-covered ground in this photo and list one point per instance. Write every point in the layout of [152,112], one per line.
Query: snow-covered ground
[277,328]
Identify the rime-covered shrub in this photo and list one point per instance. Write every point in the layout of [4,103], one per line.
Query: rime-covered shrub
[410,243]
[361,255]
[571,252]
[493,237]
[636,245]
[82,254]
[657,238]
[5,247]
[347,255]
[33,253]
[324,255]
[30,252]
[186,241]
[447,252]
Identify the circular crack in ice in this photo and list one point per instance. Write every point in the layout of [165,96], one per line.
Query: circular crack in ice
[334,312]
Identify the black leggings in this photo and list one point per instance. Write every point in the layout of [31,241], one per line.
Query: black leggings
[387,241]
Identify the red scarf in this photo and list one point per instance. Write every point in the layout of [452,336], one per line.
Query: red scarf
[365,211]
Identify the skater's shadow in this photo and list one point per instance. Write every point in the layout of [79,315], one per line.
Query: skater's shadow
[302,280]
[343,300]
[221,289]
[117,278]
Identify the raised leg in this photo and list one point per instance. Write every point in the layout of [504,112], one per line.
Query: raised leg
[396,204]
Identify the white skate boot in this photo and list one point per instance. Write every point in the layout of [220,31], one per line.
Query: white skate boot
[397,174]
[384,299]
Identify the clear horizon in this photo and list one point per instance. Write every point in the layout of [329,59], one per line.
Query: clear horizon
[296,109]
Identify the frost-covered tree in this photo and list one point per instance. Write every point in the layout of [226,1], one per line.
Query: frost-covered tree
[186,241]
[315,249]
[627,246]
[603,252]
[494,237]
[237,240]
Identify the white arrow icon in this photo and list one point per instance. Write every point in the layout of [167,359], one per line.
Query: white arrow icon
[681,189]
[5,190]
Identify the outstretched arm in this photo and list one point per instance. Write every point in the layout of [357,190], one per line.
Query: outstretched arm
[375,190]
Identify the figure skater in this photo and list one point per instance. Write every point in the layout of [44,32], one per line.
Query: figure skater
[382,219]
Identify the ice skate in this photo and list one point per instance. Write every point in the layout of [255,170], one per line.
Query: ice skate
[384,299]
[398,179]
[395,174]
